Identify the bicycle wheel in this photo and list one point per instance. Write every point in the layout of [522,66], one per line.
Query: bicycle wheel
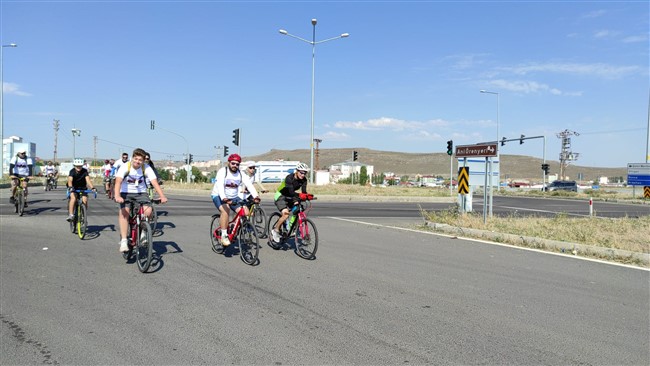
[259,221]
[215,232]
[20,203]
[249,246]
[82,221]
[306,239]
[273,219]
[144,248]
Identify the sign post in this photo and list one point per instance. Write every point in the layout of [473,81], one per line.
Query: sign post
[486,151]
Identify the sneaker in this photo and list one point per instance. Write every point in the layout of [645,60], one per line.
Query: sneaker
[12,200]
[275,235]
[70,218]
[124,246]
[225,241]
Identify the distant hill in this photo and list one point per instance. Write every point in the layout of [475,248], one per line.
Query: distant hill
[512,166]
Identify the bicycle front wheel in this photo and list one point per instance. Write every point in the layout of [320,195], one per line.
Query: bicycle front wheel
[144,247]
[249,246]
[82,221]
[259,221]
[20,204]
[306,239]
[215,231]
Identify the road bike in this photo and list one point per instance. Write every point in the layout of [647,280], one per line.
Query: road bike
[79,224]
[241,229]
[20,196]
[257,217]
[50,183]
[298,226]
[140,236]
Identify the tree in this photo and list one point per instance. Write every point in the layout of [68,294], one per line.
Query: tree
[198,177]
[363,176]
[163,174]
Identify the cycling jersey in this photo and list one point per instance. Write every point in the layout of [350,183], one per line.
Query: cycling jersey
[106,169]
[79,178]
[49,169]
[227,184]
[289,186]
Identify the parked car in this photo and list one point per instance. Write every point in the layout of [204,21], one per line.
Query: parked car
[562,185]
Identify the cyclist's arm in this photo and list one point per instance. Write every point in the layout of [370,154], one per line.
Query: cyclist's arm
[246,181]
[89,183]
[156,186]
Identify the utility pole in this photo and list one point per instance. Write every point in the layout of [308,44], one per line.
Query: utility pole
[56,137]
[94,148]
[317,153]
[566,155]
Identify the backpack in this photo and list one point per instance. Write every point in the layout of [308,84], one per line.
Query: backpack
[128,169]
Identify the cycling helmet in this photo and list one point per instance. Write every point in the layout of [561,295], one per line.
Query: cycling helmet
[234,157]
[106,161]
[78,162]
[249,163]
[302,166]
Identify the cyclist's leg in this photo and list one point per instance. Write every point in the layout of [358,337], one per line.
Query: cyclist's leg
[123,217]
[14,185]
[24,184]
[73,201]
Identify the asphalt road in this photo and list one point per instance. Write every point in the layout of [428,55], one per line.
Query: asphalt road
[373,295]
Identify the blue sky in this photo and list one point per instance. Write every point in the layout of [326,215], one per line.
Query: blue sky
[407,79]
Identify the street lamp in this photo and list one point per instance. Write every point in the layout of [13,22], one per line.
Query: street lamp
[2,108]
[498,154]
[313,44]
[75,132]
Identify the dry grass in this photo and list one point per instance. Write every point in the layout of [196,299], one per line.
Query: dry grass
[629,234]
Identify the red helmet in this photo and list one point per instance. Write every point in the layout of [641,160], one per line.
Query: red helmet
[234,157]
[106,161]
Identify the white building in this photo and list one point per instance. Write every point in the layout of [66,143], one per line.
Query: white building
[347,168]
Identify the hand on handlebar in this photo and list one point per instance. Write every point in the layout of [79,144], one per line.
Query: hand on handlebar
[257,200]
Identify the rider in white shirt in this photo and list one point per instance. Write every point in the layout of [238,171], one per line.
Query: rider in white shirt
[49,172]
[20,166]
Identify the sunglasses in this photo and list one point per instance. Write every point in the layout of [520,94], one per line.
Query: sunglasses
[302,172]
[252,167]
[234,163]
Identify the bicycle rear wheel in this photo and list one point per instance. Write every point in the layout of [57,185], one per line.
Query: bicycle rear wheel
[82,221]
[259,221]
[215,232]
[306,239]
[249,246]
[273,219]
[144,247]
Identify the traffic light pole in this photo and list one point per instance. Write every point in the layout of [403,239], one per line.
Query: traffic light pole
[188,168]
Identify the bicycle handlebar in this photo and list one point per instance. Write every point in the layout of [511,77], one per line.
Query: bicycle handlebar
[83,191]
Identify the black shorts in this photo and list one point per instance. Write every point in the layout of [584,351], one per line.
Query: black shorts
[284,202]
[142,198]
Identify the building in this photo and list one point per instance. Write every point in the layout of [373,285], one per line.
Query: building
[347,168]
[10,146]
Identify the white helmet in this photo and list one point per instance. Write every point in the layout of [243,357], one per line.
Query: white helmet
[302,166]
[78,162]
[248,163]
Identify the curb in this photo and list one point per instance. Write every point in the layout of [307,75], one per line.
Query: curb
[539,243]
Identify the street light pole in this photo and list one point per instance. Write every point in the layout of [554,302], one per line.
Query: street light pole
[75,132]
[498,153]
[2,107]
[313,44]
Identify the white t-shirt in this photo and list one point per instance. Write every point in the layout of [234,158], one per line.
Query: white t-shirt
[21,166]
[49,169]
[227,184]
[134,179]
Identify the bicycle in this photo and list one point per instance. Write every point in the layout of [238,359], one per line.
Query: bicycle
[51,183]
[140,236]
[79,224]
[257,217]
[298,226]
[239,227]
[20,195]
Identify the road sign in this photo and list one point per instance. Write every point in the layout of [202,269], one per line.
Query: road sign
[638,174]
[463,180]
[485,150]
[646,192]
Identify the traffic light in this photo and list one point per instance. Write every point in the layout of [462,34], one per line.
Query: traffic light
[191,159]
[153,124]
[354,156]
[225,151]
[450,147]
[503,141]
[235,137]
[545,168]
[521,139]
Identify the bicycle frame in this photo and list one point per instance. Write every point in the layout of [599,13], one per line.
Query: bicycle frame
[301,215]
[235,224]
[80,220]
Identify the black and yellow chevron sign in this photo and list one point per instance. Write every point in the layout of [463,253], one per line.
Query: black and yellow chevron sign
[463,180]
[646,192]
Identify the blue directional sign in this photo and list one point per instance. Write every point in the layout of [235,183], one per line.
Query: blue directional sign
[638,174]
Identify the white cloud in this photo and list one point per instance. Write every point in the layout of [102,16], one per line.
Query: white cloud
[11,88]
[387,123]
[335,136]
[634,39]
[594,14]
[527,87]
[598,69]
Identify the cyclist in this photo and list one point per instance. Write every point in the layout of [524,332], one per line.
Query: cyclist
[225,193]
[106,173]
[49,172]
[287,196]
[78,178]
[150,189]
[20,166]
[125,159]
[249,170]
[130,186]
